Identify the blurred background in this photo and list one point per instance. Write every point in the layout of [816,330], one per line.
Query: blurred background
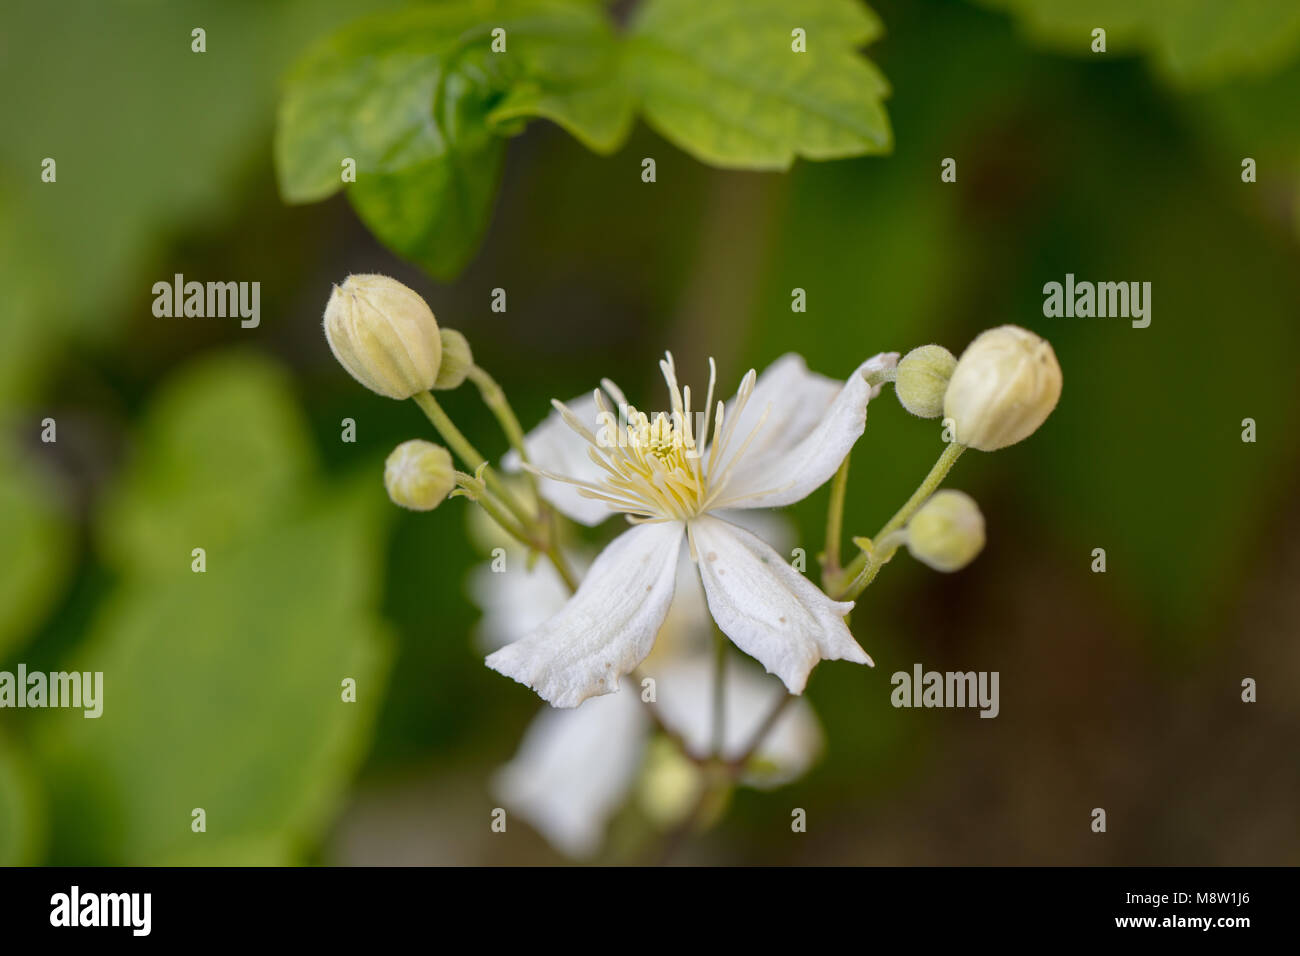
[1119,690]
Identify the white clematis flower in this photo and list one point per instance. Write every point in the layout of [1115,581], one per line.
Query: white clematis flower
[575,768]
[781,437]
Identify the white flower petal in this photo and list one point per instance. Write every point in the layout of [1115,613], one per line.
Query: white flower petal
[555,447]
[608,627]
[770,610]
[684,692]
[774,527]
[574,768]
[809,430]
[797,399]
[688,628]
[519,599]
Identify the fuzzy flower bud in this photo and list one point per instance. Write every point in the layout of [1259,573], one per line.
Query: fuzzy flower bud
[1005,385]
[457,360]
[419,475]
[922,380]
[947,532]
[384,334]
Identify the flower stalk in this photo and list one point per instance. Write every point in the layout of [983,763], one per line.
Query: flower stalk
[533,530]
[494,397]
[835,521]
[862,570]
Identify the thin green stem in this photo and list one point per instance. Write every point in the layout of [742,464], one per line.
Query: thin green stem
[835,519]
[718,775]
[494,397]
[447,429]
[495,509]
[862,570]
[882,376]
[562,567]
[537,529]
[470,455]
[737,765]
[657,719]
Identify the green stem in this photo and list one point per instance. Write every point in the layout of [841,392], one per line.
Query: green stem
[882,376]
[494,397]
[862,570]
[449,432]
[835,520]
[657,719]
[720,774]
[536,530]
[737,766]
[495,509]
[562,567]
[470,455]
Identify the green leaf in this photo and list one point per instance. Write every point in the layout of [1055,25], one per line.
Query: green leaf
[223,690]
[370,93]
[35,546]
[1192,42]
[572,74]
[722,82]
[435,213]
[419,100]
[222,451]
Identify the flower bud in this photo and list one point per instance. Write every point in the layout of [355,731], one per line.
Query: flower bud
[1005,385]
[922,380]
[384,334]
[947,532]
[670,784]
[457,360]
[419,475]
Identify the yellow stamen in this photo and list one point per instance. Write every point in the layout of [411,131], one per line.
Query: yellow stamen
[653,467]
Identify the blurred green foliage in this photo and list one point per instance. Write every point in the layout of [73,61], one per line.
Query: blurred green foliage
[148,136]
[223,689]
[35,548]
[1191,42]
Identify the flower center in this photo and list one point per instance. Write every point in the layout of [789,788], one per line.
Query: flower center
[655,462]
[653,468]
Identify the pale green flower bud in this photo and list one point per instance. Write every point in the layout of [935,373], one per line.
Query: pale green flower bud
[457,360]
[670,784]
[922,380]
[947,532]
[1005,385]
[384,334]
[419,475]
